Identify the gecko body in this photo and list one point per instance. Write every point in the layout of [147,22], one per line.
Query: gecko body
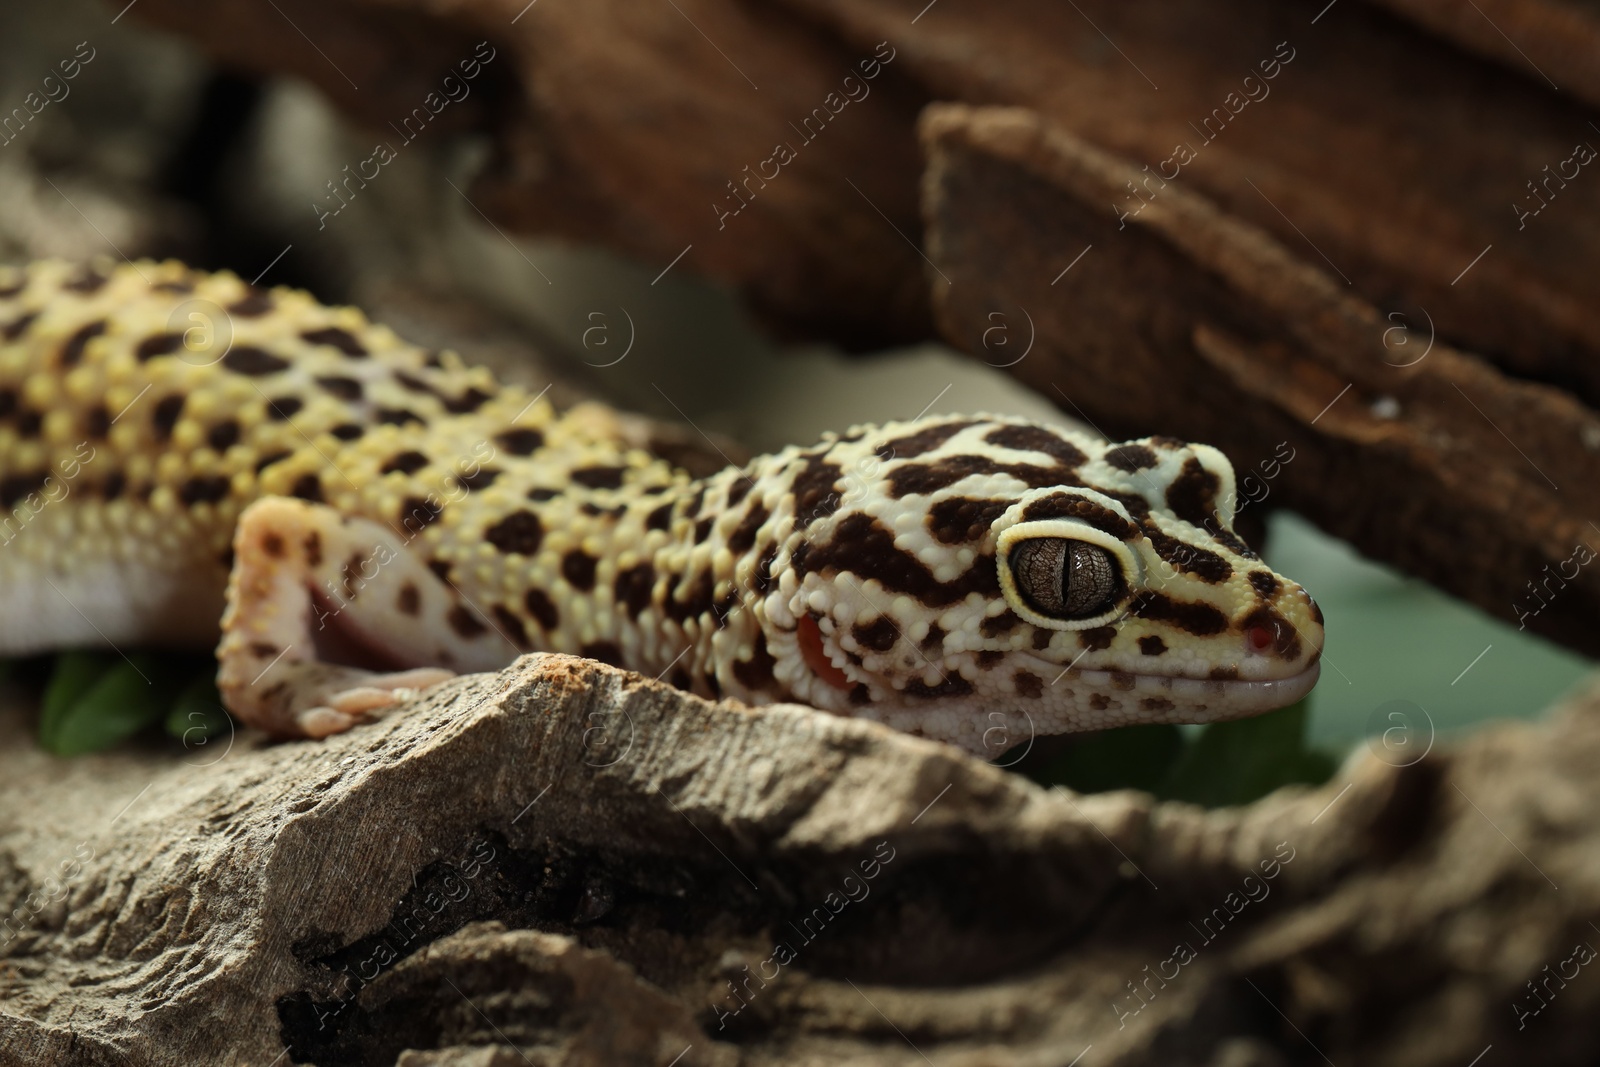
[182,454]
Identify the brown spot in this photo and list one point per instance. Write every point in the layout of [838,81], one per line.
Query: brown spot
[253,362]
[1131,458]
[272,545]
[313,547]
[1028,685]
[29,422]
[12,288]
[762,577]
[1037,439]
[72,348]
[996,625]
[1042,638]
[660,518]
[482,478]
[1265,583]
[860,694]
[813,489]
[1099,701]
[398,417]
[865,548]
[468,402]
[341,387]
[756,672]
[541,494]
[1152,645]
[1069,506]
[958,519]
[414,384]
[269,459]
[1198,619]
[520,531]
[87,280]
[166,414]
[284,408]
[17,487]
[1192,496]
[739,490]
[408,462]
[8,403]
[743,536]
[511,626]
[343,340]
[923,441]
[223,436]
[1156,704]
[158,344]
[702,529]
[950,686]
[18,326]
[1098,638]
[97,421]
[409,602]
[263,649]
[681,680]
[696,600]
[934,639]
[348,431]
[441,570]
[598,477]
[307,487]
[178,286]
[879,635]
[634,587]
[114,484]
[924,478]
[1122,680]
[465,623]
[578,568]
[418,513]
[542,608]
[989,658]
[520,442]
[254,304]
[1200,562]
[604,651]
[1223,674]
[204,489]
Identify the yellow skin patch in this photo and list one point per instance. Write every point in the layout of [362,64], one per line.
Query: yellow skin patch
[367,517]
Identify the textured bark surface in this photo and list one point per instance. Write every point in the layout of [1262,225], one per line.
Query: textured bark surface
[626,123]
[566,864]
[1189,319]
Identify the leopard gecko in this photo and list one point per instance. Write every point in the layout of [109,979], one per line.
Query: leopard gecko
[183,454]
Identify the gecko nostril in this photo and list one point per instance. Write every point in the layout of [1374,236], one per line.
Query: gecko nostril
[1260,638]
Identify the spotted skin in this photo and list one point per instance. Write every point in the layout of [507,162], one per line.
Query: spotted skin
[367,517]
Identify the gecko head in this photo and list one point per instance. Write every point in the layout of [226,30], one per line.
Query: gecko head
[982,579]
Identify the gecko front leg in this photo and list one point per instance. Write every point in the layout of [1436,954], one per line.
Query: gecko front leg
[311,588]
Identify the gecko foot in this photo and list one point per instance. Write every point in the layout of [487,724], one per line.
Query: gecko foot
[347,708]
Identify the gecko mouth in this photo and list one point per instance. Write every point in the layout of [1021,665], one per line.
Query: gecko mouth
[1222,698]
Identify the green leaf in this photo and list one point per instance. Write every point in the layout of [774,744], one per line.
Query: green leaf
[73,675]
[1131,757]
[197,715]
[1240,761]
[89,707]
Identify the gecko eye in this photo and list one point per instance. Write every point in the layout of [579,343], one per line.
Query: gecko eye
[1065,579]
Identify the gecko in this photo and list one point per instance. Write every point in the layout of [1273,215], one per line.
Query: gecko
[188,460]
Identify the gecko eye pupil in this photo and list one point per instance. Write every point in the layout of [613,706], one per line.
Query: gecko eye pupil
[1065,579]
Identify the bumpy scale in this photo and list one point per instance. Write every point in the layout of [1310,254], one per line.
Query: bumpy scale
[367,517]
